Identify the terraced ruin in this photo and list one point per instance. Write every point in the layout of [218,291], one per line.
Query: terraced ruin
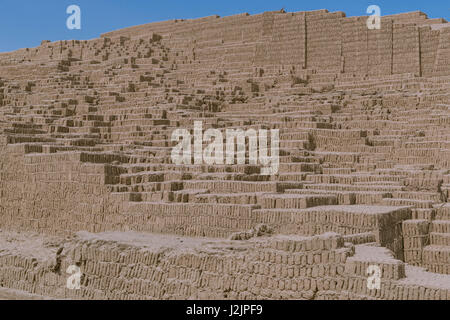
[86,176]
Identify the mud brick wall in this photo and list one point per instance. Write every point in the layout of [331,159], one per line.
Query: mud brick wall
[319,39]
[326,81]
[437,259]
[396,281]
[283,40]
[442,64]
[238,186]
[11,182]
[389,233]
[380,49]
[324,41]
[426,179]
[282,268]
[406,54]
[354,45]
[415,238]
[429,41]
[289,268]
[51,193]
[61,193]
[387,227]
[189,219]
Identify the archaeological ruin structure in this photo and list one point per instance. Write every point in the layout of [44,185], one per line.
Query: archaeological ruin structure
[363,115]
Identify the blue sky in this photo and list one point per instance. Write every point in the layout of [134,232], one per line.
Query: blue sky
[24,23]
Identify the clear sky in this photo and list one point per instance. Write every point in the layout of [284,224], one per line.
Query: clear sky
[24,23]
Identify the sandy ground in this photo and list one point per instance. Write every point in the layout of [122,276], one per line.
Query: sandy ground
[12,294]
[32,245]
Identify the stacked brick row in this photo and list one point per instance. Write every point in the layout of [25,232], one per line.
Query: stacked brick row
[415,238]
